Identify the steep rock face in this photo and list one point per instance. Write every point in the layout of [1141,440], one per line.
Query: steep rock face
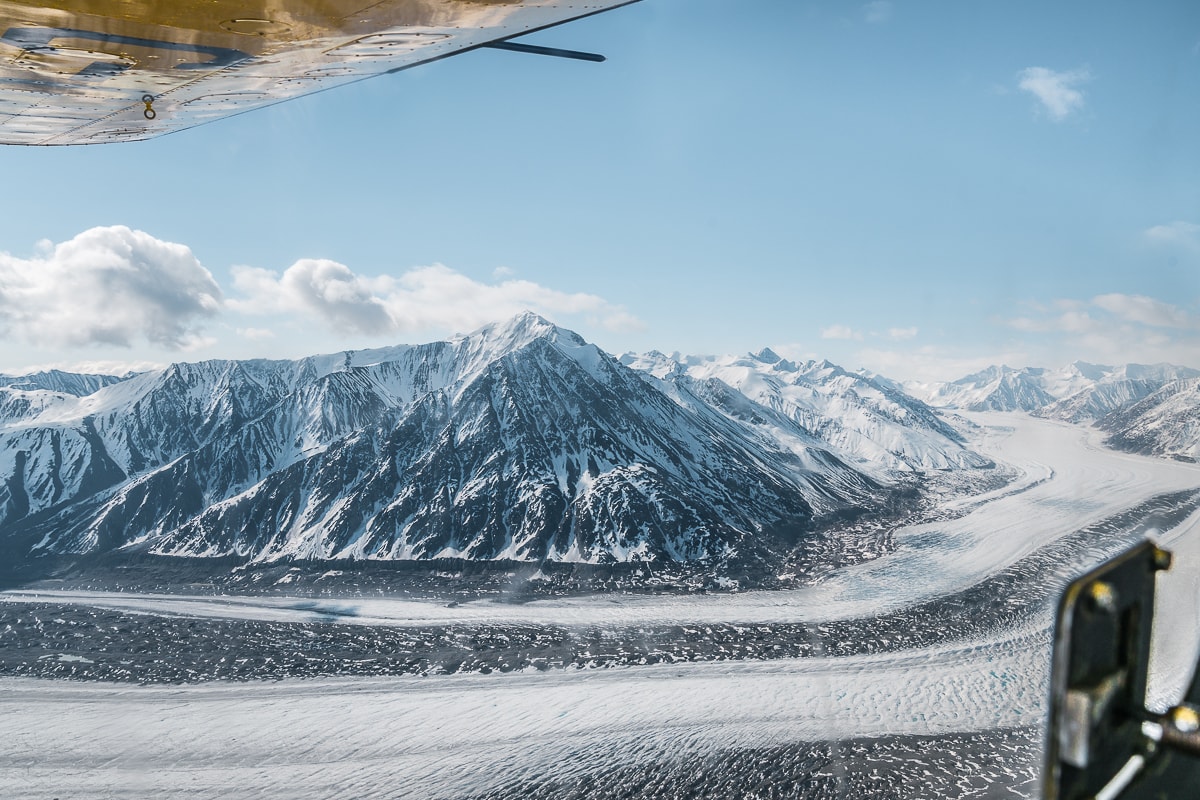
[520,441]
[1165,423]
[1089,405]
[537,457]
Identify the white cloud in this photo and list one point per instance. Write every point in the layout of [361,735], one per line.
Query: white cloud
[111,286]
[878,11]
[840,332]
[325,289]
[1067,304]
[933,363]
[1027,325]
[1185,234]
[1116,329]
[87,367]
[901,334]
[1055,90]
[1107,310]
[424,298]
[1070,321]
[255,334]
[1146,310]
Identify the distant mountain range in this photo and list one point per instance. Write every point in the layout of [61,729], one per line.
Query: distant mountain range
[520,441]
[870,423]
[1150,409]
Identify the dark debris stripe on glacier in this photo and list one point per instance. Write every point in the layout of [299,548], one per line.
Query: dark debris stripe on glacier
[83,643]
[995,764]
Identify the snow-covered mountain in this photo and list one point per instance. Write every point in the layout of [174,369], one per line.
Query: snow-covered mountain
[815,404]
[29,395]
[1118,388]
[993,389]
[519,441]
[1079,392]
[71,383]
[1165,423]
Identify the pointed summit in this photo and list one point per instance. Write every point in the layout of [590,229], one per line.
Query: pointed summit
[766,356]
[529,321]
[516,332]
[497,340]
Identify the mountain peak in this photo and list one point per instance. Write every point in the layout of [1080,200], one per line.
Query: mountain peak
[529,321]
[1093,372]
[766,356]
[518,441]
[518,331]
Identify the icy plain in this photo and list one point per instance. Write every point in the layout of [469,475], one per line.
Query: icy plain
[474,735]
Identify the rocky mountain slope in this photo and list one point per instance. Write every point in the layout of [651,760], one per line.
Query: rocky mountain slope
[520,441]
[1165,423]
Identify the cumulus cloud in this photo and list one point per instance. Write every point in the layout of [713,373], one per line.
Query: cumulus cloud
[901,334]
[1054,90]
[878,11]
[325,289]
[109,285]
[422,298]
[840,332]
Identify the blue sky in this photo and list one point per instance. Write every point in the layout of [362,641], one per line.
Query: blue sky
[916,188]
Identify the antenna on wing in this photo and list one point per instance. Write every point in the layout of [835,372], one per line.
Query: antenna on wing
[545,51]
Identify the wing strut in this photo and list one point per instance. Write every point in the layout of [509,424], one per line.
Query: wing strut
[545,51]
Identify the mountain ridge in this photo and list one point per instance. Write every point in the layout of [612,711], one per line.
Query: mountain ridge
[519,441]
[1077,392]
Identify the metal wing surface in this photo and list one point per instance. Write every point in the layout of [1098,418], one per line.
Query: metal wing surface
[94,71]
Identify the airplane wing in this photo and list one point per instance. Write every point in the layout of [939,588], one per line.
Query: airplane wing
[95,71]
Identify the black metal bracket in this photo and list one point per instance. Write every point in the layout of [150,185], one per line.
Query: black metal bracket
[1103,742]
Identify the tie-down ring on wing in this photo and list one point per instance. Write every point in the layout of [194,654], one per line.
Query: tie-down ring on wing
[93,71]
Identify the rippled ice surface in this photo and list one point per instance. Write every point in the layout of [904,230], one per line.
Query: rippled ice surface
[508,736]
[963,716]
